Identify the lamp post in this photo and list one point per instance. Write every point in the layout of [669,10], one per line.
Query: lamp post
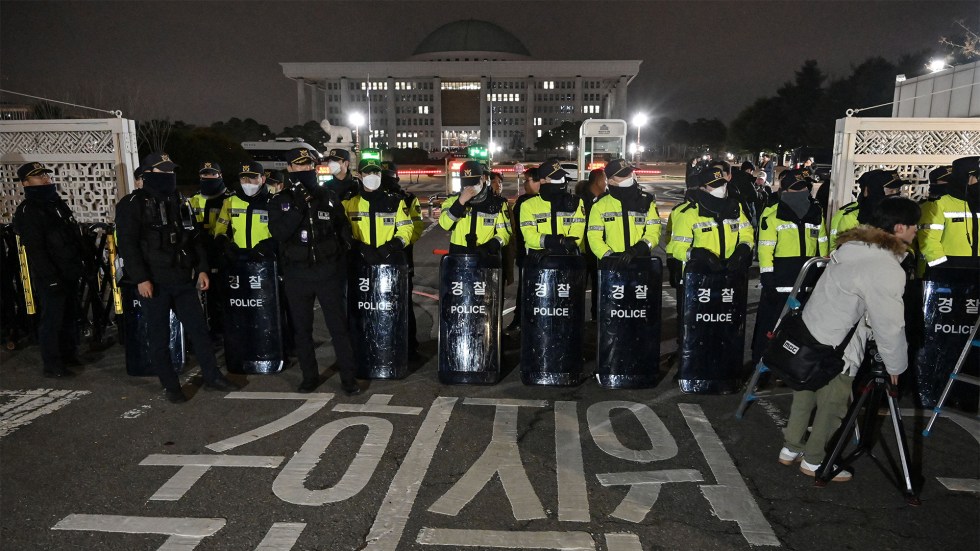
[357,119]
[639,120]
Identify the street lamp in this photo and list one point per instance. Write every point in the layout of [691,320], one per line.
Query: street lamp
[569,148]
[356,119]
[639,120]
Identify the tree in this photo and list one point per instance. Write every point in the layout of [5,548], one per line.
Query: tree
[248,130]
[559,136]
[707,132]
[189,146]
[153,135]
[310,132]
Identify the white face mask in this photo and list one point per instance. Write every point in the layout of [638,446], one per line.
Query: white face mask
[251,189]
[334,167]
[719,191]
[624,183]
[371,181]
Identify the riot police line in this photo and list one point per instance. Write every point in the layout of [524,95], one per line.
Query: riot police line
[712,296]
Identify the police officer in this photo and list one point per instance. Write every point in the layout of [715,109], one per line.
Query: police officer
[309,223]
[274,180]
[379,218]
[711,229]
[207,206]
[389,182]
[531,189]
[53,243]
[344,184]
[623,222]
[164,256]
[554,220]
[247,212]
[875,185]
[475,218]
[790,233]
[949,227]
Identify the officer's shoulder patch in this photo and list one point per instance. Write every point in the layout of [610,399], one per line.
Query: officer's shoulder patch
[284,205]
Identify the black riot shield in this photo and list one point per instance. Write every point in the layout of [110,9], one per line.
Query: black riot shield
[552,320]
[713,340]
[137,339]
[629,324]
[950,300]
[252,325]
[378,301]
[470,296]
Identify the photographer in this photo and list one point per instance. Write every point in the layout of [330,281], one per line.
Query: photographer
[863,284]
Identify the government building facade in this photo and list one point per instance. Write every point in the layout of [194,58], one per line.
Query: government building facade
[467,82]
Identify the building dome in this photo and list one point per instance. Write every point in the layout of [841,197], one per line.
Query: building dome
[472,40]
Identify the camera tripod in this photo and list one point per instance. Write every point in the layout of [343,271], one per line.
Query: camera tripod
[875,387]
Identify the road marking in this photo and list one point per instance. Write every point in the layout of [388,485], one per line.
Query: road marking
[730,499]
[282,536]
[28,405]
[644,489]
[312,403]
[377,404]
[573,497]
[960,484]
[135,412]
[773,411]
[623,542]
[498,539]
[503,458]
[185,533]
[662,444]
[193,467]
[290,485]
[390,521]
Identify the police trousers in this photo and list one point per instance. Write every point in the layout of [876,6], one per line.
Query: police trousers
[302,288]
[57,332]
[182,298]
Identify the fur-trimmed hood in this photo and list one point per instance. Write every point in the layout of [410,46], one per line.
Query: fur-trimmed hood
[874,237]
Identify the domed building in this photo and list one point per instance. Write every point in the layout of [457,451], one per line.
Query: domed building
[466,82]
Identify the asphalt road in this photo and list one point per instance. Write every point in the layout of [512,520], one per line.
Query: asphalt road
[103,461]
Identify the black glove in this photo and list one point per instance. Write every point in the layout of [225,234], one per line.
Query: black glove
[303,194]
[766,279]
[263,250]
[392,247]
[640,250]
[535,255]
[490,248]
[230,251]
[570,244]
[371,255]
[554,243]
[622,260]
[703,261]
[741,258]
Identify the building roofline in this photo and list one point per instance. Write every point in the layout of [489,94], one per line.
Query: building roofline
[462,69]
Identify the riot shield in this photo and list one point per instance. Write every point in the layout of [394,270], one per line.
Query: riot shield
[253,332]
[378,300]
[713,340]
[629,324]
[470,296]
[950,300]
[552,320]
[137,337]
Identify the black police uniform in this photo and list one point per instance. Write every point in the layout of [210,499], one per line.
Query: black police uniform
[160,243]
[53,242]
[313,237]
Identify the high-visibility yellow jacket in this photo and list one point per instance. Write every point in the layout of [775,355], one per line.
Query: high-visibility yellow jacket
[377,217]
[207,212]
[843,220]
[415,213]
[948,228]
[486,221]
[563,215]
[693,225]
[248,220]
[615,227]
[786,241]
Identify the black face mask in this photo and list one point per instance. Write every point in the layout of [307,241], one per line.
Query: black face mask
[798,202]
[163,183]
[212,186]
[42,193]
[305,177]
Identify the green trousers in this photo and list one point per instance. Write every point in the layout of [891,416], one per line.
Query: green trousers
[831,405]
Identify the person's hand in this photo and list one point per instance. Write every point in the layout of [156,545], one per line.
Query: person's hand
[765,278]
[391,248]
[640,250]
[490,248]
[741,258]
[466,194]
[303,193]
[570,244]
[203,282]
[145,289]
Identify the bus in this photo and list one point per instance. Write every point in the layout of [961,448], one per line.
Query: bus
[270,154]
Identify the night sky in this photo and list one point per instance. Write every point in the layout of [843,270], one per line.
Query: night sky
[208,60]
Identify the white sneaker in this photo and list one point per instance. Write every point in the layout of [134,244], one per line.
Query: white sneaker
[810,469]
[787,457]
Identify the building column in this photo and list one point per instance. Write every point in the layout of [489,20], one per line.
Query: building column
[621,98]
[326,100]
[391,118]
[317,98]
[579,100]
[529,129]
[437,112]
[300,101]
[484,116]
[344,102]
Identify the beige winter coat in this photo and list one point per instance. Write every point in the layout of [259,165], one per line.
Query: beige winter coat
[863,280]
